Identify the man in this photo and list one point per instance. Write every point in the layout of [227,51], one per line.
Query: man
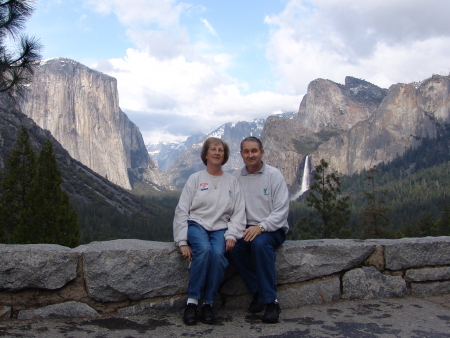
[267,208]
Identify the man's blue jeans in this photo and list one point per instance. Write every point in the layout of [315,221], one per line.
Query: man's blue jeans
[208,262]
[255,262]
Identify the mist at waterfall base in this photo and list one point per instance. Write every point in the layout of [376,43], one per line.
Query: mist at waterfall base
[305,181]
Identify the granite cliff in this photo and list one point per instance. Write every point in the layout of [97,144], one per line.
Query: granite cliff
[357,125]
[326,111]
[83,185]
[408,113]
[80,107]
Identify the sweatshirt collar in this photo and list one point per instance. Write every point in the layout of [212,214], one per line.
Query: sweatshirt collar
[244,171]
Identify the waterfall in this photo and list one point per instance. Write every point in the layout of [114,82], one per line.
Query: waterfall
[305,180]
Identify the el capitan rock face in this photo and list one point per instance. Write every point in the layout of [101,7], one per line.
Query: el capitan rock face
[80,107]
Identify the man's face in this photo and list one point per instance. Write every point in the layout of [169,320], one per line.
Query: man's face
[251,154]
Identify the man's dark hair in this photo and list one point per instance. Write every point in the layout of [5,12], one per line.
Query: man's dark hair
[215,140]
[254,139]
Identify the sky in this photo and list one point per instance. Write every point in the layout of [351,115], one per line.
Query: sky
[187,67]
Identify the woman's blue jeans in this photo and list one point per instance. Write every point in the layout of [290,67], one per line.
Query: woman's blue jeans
[208,262]
[255,262]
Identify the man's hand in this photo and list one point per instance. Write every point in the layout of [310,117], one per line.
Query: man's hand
[186,252]
[251,232]
[230,244]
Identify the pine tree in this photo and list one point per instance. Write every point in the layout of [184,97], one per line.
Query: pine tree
[332,210]
[48,216]
[16,184]
[443,223]
[374,219]
[16,69]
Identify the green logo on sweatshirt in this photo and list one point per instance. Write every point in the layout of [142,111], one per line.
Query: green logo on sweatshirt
[266,191]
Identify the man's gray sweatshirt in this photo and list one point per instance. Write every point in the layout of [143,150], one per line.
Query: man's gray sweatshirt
[266,197]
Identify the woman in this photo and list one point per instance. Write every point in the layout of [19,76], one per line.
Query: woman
[209,219]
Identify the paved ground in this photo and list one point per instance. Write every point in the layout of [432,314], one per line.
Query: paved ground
[407,317]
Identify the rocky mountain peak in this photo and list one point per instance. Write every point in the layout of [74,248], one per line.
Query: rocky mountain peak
[333,106]
[80,107]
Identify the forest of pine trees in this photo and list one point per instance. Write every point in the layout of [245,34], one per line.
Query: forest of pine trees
[408,197]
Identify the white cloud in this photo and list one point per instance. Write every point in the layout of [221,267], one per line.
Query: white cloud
[385,41]
[210,28]
[179,97]
[176,82]
[164,13]
[171,86]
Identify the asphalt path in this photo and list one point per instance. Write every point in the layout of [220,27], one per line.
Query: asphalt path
[406,317]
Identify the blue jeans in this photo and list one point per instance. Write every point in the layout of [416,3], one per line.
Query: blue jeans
[255,262]
[208,262]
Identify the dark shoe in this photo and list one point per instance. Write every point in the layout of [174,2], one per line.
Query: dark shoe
[272,313]
[190,314]
[255,305]
[208,316]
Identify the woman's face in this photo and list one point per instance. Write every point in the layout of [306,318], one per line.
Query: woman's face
[215,154]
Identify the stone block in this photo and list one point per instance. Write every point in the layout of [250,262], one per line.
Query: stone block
[427,274]
[376,259]
[144,308]
[408,253]
[299,261]
[430,289]
[234,286]
[133,269]
[368,283]
[320,292]
[42,266]
[64,310]
[5,313]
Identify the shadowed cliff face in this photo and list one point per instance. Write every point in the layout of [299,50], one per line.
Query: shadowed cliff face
[80,107]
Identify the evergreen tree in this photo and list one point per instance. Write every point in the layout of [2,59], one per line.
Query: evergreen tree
[425,226]
[374,219]
[443,224]
[48,217]
[16,184]
[16,69]
[332,210]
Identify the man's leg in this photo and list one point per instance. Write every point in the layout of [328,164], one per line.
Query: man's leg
[264,257]
[263,252]
[241,258]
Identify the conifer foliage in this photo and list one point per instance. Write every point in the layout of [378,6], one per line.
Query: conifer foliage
[15,186]
[41,212]
[374,219]
[332,211]
[16,69]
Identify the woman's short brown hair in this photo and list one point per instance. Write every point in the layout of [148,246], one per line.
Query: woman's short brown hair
[215,140]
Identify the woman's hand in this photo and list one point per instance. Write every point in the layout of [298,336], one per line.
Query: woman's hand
[186,252]
[230,244]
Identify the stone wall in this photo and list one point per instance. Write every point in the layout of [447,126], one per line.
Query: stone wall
[126,277]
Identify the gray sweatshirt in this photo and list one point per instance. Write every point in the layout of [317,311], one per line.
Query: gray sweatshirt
[214,209]
[266,197]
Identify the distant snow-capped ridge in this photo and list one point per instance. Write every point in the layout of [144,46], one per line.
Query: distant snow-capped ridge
[168,154]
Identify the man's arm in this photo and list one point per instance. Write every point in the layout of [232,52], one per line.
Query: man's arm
[280,211]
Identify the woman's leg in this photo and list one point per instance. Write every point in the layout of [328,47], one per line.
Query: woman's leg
[216,265]
[198,241]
